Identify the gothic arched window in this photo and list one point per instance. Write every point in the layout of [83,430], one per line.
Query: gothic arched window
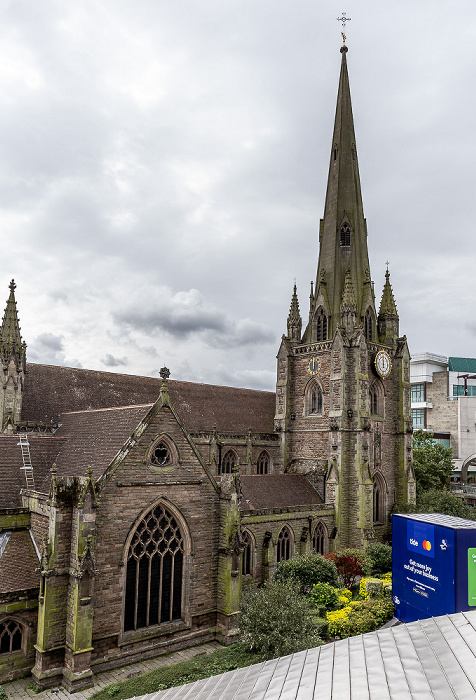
[263,463]
[284,545]
[368,325]
[379,499]
[154,573]
[11,636]
[376,397]
[320,539]
[313,399]
[247,562]
[163,453]
[345,231]
[321,325]
[228,463]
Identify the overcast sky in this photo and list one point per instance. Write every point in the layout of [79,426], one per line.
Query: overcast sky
[163,167]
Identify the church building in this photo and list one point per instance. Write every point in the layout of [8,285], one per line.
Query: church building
[133,510]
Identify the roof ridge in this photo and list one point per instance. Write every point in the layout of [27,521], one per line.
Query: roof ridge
[107,408]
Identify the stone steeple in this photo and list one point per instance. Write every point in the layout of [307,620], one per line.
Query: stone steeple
[294,319]
[388,315]
[343,230]
[13,364]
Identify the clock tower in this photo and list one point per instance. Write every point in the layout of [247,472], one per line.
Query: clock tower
[343,386]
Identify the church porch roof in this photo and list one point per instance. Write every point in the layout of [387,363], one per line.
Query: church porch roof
[262,491]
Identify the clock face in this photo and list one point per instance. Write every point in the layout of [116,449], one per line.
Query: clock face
[313,366]
[383,363]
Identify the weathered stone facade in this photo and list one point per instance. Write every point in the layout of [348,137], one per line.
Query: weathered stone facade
[149,515]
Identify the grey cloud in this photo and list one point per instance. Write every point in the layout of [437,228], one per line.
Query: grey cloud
[50,342]
[111,361]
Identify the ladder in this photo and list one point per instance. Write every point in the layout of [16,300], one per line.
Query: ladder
[27,465]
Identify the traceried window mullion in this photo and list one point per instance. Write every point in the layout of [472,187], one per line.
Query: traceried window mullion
[154,572]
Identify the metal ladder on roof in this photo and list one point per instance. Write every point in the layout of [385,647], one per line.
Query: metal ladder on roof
[27,465]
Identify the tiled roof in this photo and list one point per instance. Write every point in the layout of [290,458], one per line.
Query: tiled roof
[18,563]
[277,491]
[43,452]
[93,438]
[434,658]
[51,391]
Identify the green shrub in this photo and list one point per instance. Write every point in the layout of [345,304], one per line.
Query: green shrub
[359,617]
[3,693]
[278,619]
[307,569]
[379,558]
[323,595]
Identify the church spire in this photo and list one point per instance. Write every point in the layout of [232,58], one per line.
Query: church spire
[387,305]
[388,322]
[12,365]
[343,230]
[294,318]
[10,337]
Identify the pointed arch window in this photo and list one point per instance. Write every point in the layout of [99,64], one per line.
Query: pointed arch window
[11,636]
[154,572]
[163,453]
[247,562]
[284,545]
[228,463]
[345,232]
[368,325]
[263,463]
[379,499]
[314,401]
[320,539]
[321,325]
[376,398]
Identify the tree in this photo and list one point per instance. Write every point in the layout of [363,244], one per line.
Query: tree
[431,462]
[434,501]
[278,619]
[307,569]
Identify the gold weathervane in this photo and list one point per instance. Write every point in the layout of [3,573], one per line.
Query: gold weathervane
[343,19]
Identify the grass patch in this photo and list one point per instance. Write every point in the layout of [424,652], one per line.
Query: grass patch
[219,661]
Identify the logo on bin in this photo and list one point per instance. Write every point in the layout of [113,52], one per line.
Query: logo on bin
[420,538]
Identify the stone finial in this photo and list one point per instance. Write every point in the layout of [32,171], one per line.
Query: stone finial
[12,286]
[164,373]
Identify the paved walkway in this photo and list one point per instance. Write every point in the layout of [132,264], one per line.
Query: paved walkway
[18,690]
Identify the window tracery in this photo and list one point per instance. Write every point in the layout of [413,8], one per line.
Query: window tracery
[313,399]
[228,463]
[154,572]
[11,636]
[320,539]
[263,463]
[284,545]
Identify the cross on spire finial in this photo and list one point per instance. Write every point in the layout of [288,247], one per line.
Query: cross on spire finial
[343,19]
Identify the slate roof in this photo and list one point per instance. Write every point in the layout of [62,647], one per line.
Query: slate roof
[423,660]
[43,450]
[51,391]
[277,491]
[18,561]
[93,438]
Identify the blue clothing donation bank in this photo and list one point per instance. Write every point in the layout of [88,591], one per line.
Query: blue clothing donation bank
[433,565]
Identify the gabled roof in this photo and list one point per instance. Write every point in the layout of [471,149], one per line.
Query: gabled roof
[43,450]
[93,438]
[276,491]
[51,391]
[18,561]
[434,658]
